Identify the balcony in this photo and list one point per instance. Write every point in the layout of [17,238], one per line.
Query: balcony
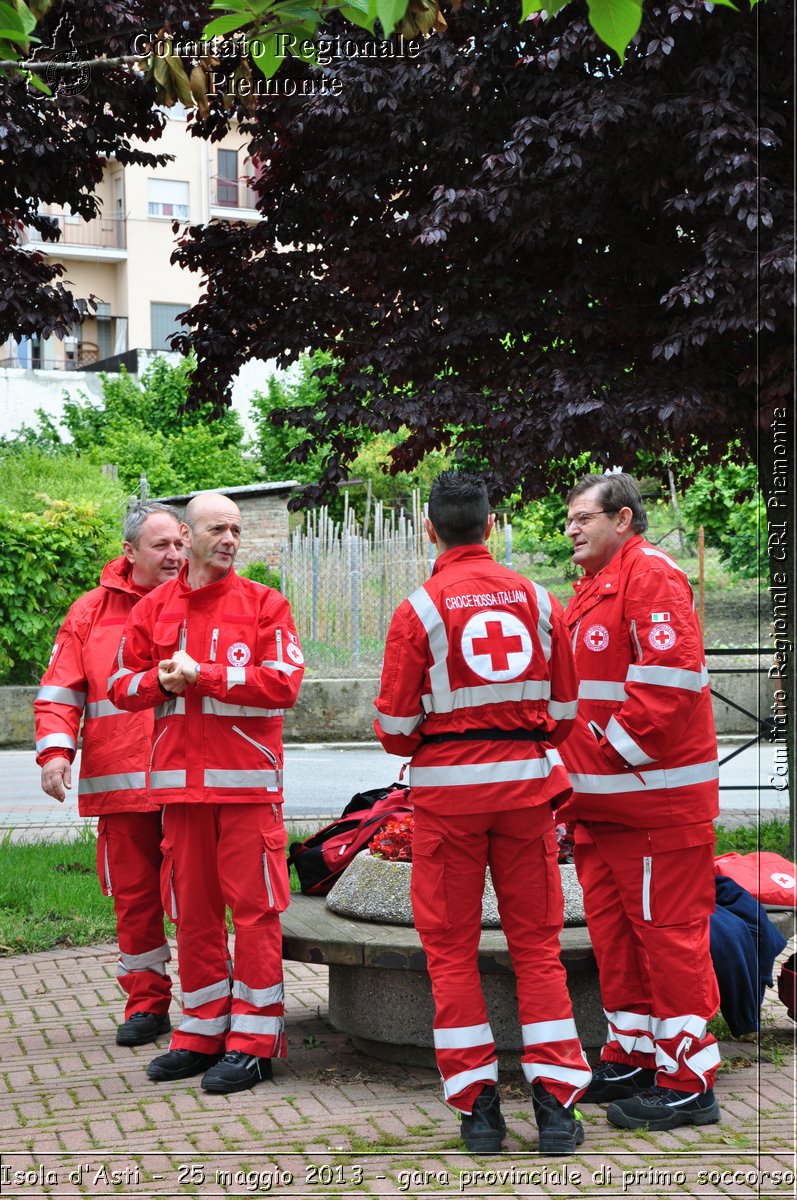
[237,194]
[102,237]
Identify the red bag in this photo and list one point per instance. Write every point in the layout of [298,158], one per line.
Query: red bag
[767,876]
[322,858]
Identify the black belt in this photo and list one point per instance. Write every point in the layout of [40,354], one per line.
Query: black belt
[490,735]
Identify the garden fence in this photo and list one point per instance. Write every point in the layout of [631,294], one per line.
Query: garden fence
[344,580]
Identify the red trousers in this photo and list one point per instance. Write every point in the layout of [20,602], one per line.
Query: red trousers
[128,866]
[218,856]
[648,915]
[450,855]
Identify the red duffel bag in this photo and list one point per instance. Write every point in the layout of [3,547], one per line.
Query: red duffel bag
[765,875]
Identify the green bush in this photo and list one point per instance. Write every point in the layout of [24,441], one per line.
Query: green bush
[262,573]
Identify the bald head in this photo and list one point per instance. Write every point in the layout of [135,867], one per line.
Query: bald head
[212,533]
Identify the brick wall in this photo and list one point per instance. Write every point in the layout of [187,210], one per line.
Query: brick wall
[265,527]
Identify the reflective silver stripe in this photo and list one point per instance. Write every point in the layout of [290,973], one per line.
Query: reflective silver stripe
[562,710]
[259,997]
[485,773]
[171,708]
[625,745]
[59,695]
[128,782]
[544,627]
[620,1019]
[122,970]
[458,1083]
[106,867]
[432,622]
[205,1026]
[251,1023]
[491,693]
[103,708]
[56,739]
[633,1043]
[651,780]
[458,1037]
[647,872]
[213,991]
[270,780]
[132,687]
[705,1060]
[675,677]
[235,676]
[670,1027]
[219,709]
[140,962]
[601,689]
[284,667]
[651,553]
[167,779]
[120,674]
[549,1031]
[577,1077]
[398,724]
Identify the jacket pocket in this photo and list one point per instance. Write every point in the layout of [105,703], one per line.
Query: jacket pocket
[103,858]
[166,636]
[275,870]
[427,883]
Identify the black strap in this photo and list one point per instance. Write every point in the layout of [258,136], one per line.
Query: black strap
[489,735]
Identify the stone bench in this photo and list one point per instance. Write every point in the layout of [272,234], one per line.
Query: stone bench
[379,990]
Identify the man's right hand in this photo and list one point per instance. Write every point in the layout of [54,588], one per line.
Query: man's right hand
[57,775]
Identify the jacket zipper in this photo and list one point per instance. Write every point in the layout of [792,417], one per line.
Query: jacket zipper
[257,745]
[647,872]
[214,642]
[267,877]
[152,751]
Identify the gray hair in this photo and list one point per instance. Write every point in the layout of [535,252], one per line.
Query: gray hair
[616,491]
[137,515]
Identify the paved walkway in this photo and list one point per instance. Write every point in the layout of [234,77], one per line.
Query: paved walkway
[80,1117]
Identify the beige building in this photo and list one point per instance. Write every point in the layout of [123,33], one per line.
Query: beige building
[122,256]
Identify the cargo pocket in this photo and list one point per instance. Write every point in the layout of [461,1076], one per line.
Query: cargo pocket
[427,883]
[552,903]
[103,860]
[168,898]
[275,869]
[678,885]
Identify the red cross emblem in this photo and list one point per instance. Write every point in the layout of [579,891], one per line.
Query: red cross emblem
[496,645]
[238,654]
[596,638]
[663,637]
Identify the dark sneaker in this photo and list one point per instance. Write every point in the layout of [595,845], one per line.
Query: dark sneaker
[179,1064]
[142,1027]
[615,1081]
[483,1130]
[560,1129]
[664,1108]
[236,1072]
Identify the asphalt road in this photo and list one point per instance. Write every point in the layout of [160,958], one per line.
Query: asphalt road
[321,779]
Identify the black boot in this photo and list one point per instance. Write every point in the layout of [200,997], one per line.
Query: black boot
[483,1130]
[560,1129]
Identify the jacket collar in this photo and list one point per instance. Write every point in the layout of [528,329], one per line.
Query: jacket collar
[606,581]
[458,554]
[117,576]
[211,590]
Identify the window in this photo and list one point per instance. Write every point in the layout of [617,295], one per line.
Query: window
[165,323]
[227,181]
[168,198]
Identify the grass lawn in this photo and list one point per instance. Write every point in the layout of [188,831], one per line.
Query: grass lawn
[49,894]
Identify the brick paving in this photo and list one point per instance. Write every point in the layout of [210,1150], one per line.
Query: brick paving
[81,1118]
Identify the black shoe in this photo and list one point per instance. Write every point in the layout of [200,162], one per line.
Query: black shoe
[615,1081]
[664,1108]
[560,1129]
[179,1064]
[483,1130]
[236,1072]
[142,1027]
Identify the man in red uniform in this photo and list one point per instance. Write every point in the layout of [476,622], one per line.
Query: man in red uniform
[643,765]
[477,684]
[218,658]
[114,759]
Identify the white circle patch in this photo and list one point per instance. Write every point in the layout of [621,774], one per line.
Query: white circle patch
[783,880]
[596,638]
[294,653]
[496,645]
[238,654]
[662,637]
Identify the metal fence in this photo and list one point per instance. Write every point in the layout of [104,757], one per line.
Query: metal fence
[344,580]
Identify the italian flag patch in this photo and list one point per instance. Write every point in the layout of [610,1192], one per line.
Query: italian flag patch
[658,617]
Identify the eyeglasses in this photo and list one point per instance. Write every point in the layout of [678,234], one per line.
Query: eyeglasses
[582,519]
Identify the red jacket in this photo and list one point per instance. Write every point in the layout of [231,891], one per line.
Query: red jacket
[644,751]
[221,740]
[115,744]
[478,647]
